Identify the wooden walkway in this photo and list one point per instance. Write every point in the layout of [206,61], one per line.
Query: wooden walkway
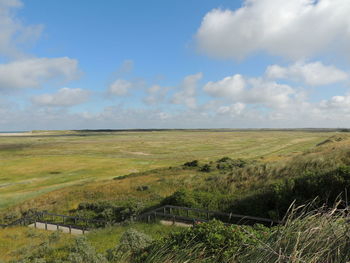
[175,215]
[57,227]
[188,215]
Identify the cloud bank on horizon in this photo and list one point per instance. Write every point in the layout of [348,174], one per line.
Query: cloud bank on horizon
[301,79]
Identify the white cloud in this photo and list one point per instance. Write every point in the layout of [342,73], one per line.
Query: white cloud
[120,87]
[230,87]
[314,74]
[187,95]
[295,29]
[234,109]
[253,91]
[12,31]
[336,103]
[63,98]
[156,95]
[32,73]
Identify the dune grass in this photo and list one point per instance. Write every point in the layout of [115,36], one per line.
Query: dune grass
[34,165]
[18,241]
[57,173]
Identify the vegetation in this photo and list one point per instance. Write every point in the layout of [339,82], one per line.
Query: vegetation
[252,173]
[307,236]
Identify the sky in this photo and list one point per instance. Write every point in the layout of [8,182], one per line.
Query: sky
[129,64]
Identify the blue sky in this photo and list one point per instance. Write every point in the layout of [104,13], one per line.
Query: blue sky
[174,64]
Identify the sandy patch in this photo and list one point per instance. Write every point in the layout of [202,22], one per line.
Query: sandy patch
[16,134]
[137,153]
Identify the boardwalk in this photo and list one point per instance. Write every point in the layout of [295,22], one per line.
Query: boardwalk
[53,227]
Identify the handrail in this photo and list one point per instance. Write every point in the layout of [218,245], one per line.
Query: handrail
[208,212]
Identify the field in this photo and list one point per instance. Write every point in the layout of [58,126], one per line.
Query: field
[31,166]
[57,171]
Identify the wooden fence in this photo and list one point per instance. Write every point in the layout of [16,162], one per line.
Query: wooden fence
[194,215]
[170,213]
[70,222]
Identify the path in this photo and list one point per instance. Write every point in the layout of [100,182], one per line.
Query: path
[52,227]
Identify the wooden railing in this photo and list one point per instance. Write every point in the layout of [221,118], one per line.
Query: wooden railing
[170,213]
[70,222]
[194,215]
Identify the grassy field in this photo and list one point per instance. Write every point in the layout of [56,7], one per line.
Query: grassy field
[31,166]
[57,171]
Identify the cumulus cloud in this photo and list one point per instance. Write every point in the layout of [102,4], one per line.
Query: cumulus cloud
[336,102]
[295,29]
[64,97]
[120,87]
[155,95]
[234,109]
[314,74]
[236,88]
[32,73]
[12,31]
[187,95]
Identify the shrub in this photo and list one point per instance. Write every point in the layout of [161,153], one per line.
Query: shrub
[193,163]
[109,211]
[131,244]
[277,198]
[180,198]
[213,240]
[226,163]
[205,168]
[83,252]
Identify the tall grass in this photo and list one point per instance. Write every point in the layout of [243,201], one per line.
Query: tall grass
[315,236]
[307,236]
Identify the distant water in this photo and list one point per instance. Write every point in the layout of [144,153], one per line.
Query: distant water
[13,131]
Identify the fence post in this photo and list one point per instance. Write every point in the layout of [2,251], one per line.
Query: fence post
[207,215]
[149,219]
[45,225]
[57,226]
[70,229]
[164,210]
[173,220]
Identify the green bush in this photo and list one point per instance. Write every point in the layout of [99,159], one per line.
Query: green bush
[205,168]
[213,240]
[83,252]
[131,245]
[274,200]
[226,163]
[198,199]
[109,211]
[193,163]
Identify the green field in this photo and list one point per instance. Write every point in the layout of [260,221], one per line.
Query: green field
[33,165]
[57,171]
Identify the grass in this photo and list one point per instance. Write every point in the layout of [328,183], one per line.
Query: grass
[18,241]
[35,165]
[56,172]
[107,238]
